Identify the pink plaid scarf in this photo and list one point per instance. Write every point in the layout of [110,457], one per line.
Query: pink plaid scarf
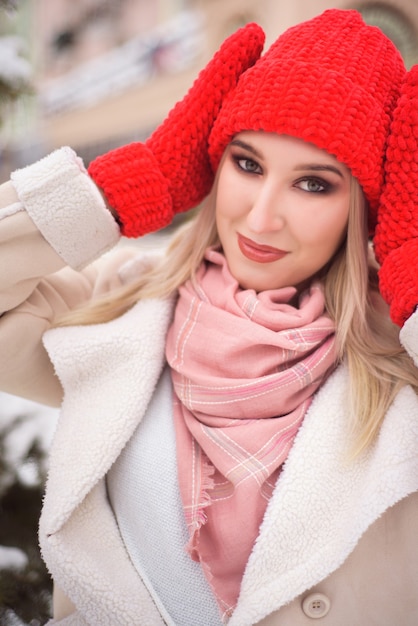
[244,368]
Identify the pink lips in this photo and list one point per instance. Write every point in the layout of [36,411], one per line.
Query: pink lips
[258,252]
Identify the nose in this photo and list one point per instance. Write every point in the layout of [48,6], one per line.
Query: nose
[267,212]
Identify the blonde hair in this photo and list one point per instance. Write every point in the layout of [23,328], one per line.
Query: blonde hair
[367,341]
[366,338]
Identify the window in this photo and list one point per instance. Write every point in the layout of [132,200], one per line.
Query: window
[396,26]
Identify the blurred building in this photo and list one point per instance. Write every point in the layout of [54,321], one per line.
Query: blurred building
[107,71]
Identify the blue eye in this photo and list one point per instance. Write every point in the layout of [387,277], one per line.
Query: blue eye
[313,185]
[248,165]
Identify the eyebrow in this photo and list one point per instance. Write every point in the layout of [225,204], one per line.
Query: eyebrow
[246,146]
[315,167]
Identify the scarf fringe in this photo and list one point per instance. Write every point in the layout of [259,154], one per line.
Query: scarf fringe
[205,500]
[192,547]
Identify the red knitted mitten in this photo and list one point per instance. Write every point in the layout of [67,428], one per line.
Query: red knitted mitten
[398,281]
[147,184]
[396,238]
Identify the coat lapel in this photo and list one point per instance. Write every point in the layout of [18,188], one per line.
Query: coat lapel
[324,502]
[108,373]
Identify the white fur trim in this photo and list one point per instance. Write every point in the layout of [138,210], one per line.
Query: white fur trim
[11,209]
[67,207]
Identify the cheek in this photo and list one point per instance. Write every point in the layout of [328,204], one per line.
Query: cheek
[325,228]
[228,203]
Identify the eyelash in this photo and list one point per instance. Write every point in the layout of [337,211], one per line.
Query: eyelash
[238,159]
[326,186]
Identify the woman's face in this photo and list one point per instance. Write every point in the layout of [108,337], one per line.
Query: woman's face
[281,209]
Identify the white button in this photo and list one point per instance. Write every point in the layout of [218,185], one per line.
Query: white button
[316,605]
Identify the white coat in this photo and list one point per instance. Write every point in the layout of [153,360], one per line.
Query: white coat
[338,540]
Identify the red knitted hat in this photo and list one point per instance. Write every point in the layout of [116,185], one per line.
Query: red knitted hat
[333,81]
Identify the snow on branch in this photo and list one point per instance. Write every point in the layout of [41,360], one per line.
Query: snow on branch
[15,71]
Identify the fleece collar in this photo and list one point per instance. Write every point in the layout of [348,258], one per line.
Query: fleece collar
[108,373]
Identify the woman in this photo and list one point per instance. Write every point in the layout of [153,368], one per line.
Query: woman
[239,425]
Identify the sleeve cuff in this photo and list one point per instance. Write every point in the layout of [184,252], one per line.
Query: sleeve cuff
[409,336]
[67,207]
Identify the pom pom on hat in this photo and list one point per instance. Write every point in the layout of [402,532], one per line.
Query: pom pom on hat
[332,81]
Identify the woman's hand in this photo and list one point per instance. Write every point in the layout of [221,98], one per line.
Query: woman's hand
[396,238]
[147,184]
